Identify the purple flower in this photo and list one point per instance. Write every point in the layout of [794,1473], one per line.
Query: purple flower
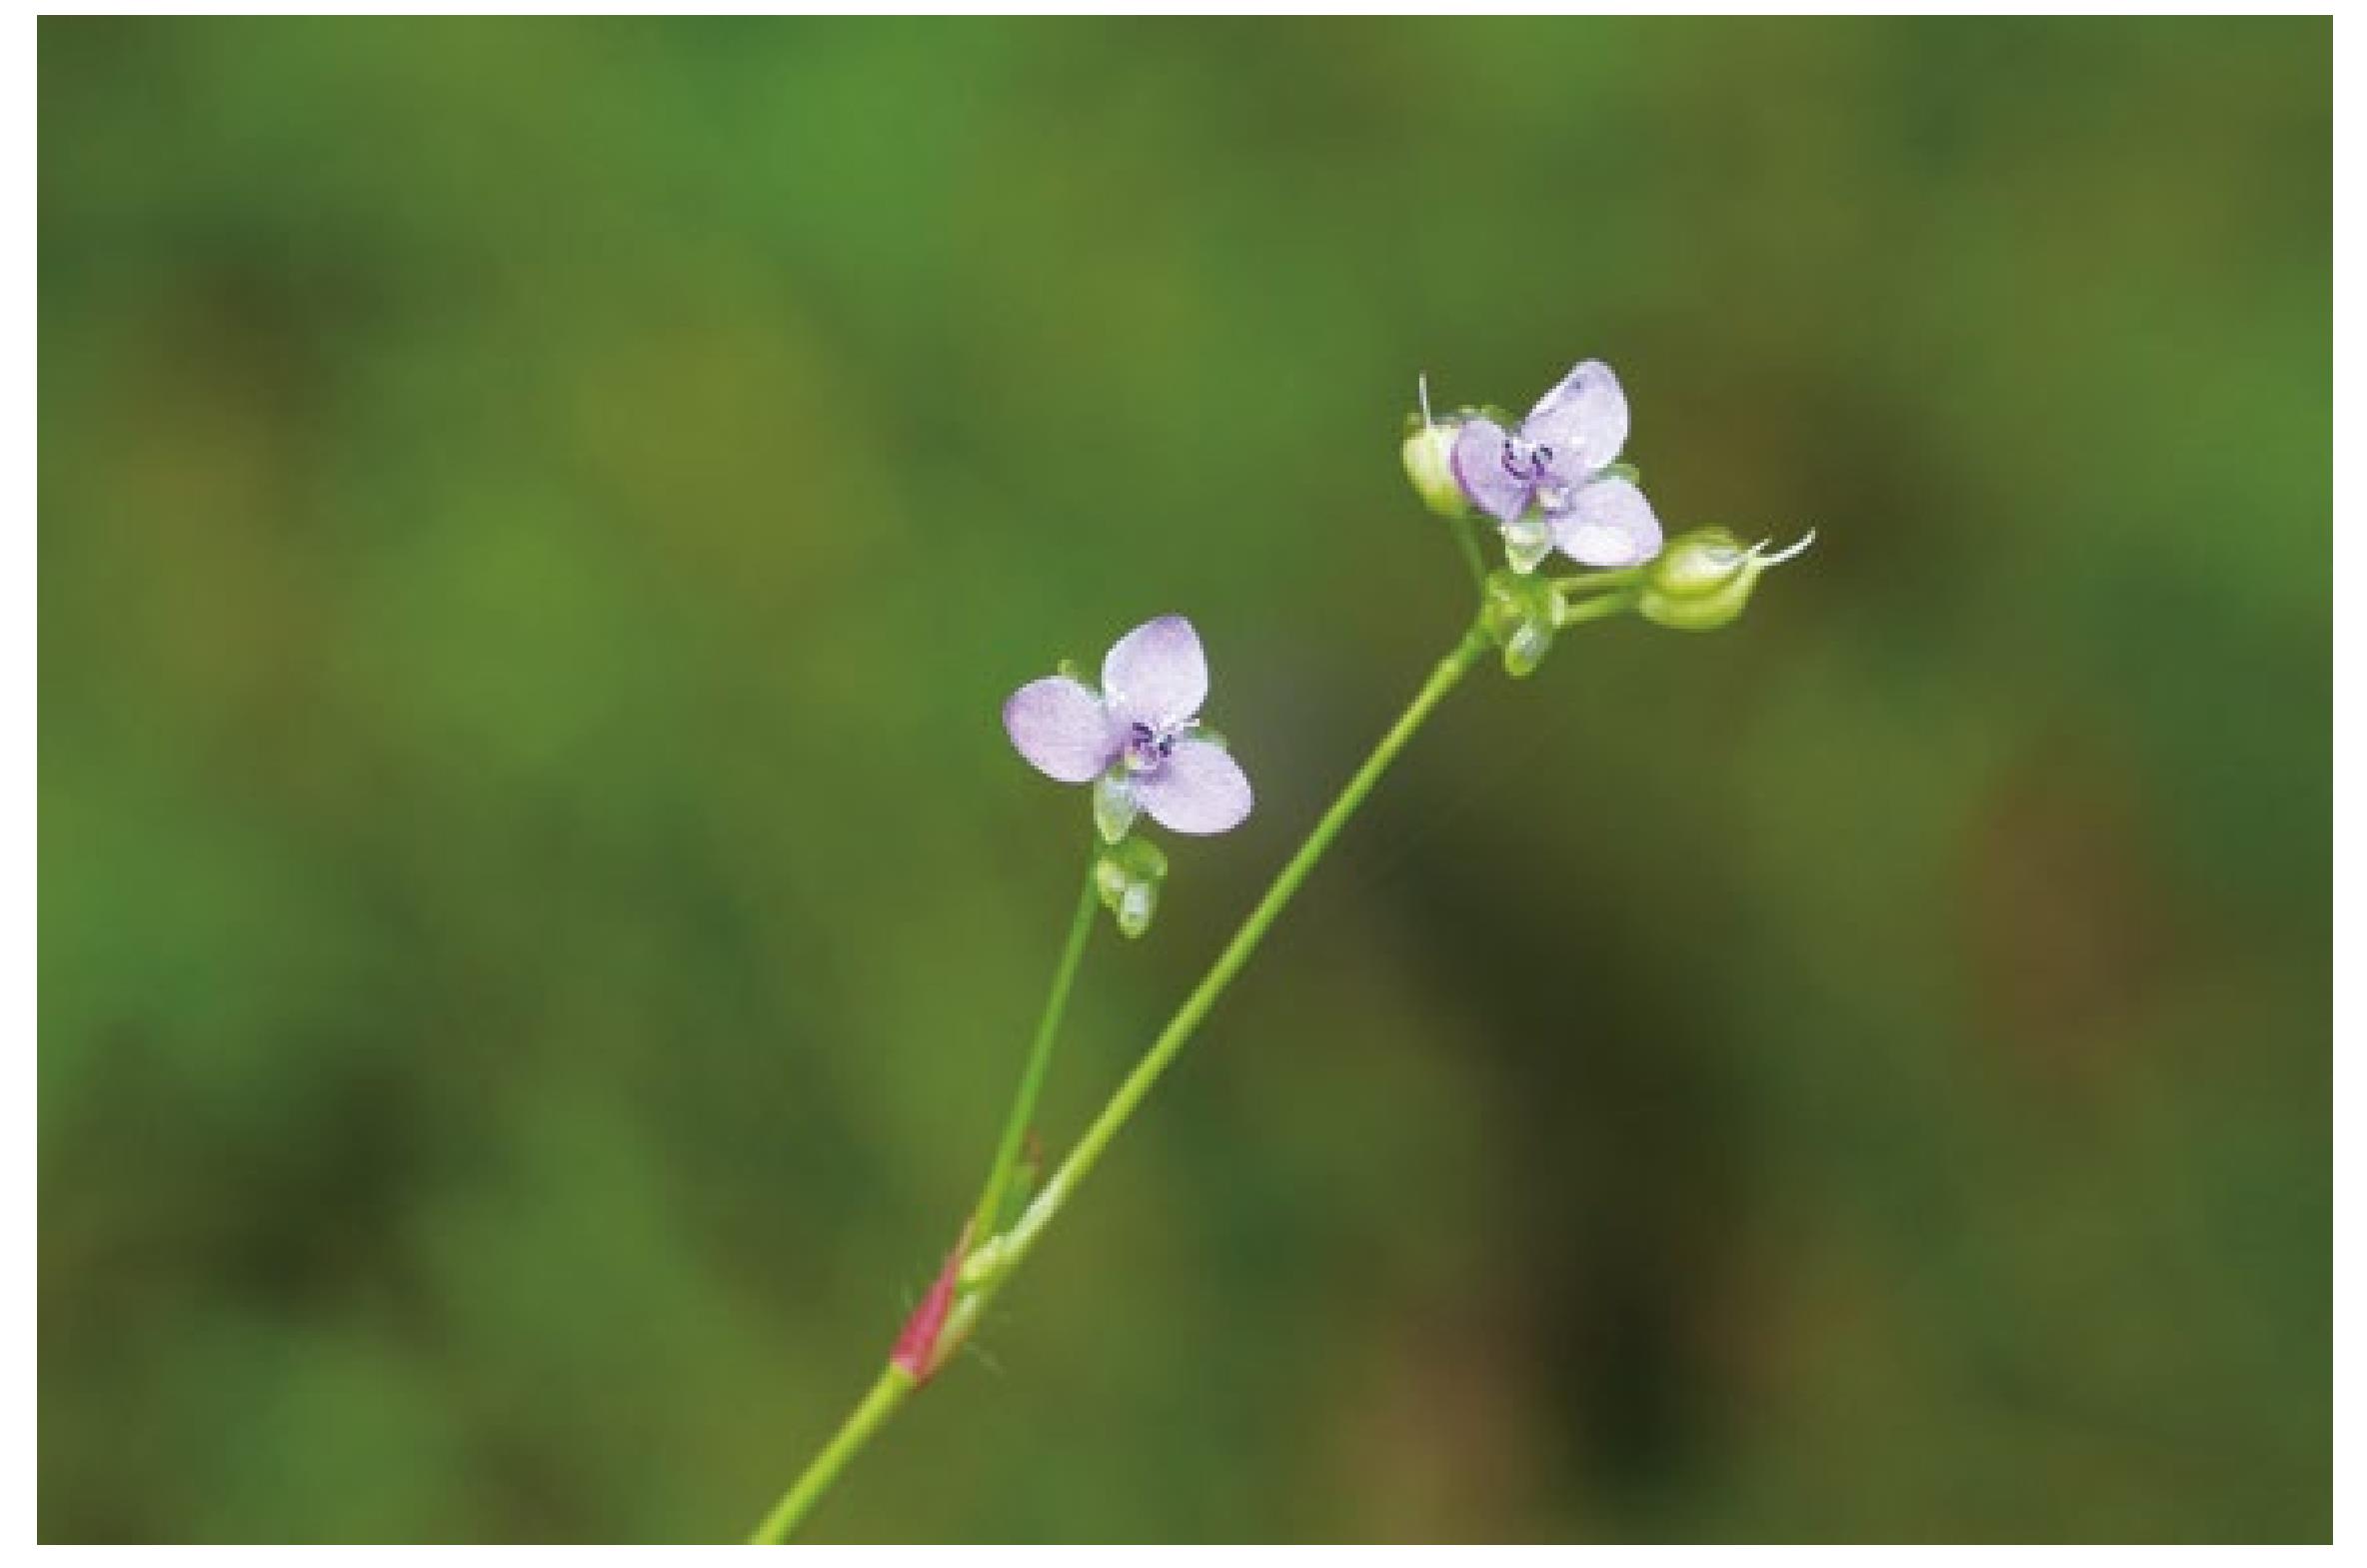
[1138,739]
[1555,463]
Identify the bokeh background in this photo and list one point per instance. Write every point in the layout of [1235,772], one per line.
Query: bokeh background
[539,917]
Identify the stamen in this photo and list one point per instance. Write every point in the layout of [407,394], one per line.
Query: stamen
[1422,390]
[1780,556]
[1146,748]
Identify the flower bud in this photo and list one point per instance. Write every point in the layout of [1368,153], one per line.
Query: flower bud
[1429,463]
[1527,647]
[1703,579]
[1429,455]
[1127,878]
[1519,615]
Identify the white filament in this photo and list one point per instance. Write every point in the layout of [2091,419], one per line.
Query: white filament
[1782,555]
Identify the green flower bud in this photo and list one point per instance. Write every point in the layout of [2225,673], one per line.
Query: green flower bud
[1135,909]
[1428,456]
[1428,453]
[1527,647]
[1127,878]
[1519,615]
[1705,577]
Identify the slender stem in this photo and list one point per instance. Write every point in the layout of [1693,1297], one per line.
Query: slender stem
[1595,609]
[1591,582]
[1022,1103]
[895,1384]
[892,1389]
[1172,1040]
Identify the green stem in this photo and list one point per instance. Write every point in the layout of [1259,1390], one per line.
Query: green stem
[1172,1040]
[1023,1105]
[1008,1250]
[892,1389]
[1593,581]
[1595,609]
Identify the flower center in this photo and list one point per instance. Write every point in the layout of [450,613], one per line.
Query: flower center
[1525,460]
[1146,748]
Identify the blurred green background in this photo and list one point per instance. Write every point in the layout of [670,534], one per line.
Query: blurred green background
[539,917]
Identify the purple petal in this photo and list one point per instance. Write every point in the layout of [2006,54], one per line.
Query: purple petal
[1608,524]
[1201,790]
[1584,421]
[1061,727]
[1478,464]
[1156,673]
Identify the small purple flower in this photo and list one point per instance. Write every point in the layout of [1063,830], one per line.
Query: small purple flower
[1138,739]
[1555,463]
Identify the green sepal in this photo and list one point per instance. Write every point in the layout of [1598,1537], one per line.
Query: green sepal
[1114,806]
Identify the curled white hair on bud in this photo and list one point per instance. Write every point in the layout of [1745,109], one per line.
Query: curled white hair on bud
[1793,552]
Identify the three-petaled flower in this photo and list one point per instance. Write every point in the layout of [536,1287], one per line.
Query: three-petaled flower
[1139,739]
[1546,482]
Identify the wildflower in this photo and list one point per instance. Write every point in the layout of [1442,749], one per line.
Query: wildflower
[1705,579]
[1559,464]
[1139,739]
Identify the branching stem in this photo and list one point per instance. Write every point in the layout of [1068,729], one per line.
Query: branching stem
[1011,1248]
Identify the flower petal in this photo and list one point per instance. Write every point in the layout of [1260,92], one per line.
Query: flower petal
[1608,524]
[1584,421]
[1202,789]
[1478,464]
[1156,673]
[1062,728]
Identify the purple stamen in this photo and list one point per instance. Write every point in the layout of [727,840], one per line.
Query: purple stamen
[1526,463]
[1146,748]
